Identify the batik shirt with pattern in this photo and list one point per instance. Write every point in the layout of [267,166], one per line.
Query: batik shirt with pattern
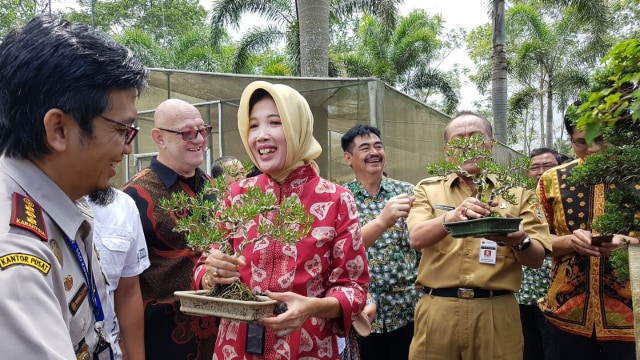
[393,265]
[585,295]
[535,283]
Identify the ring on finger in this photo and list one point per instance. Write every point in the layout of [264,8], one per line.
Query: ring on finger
[463,211]
[215,273]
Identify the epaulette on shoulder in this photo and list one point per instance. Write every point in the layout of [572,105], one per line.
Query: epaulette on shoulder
[431,180]
[26,213]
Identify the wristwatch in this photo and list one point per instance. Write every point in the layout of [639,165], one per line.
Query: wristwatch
[523,245]
[370,301]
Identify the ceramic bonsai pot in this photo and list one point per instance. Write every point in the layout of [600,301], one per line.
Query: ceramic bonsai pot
[199,304]
[484,227]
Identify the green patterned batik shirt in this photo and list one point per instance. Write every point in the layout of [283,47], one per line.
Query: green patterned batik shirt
[393,265]
[535,283]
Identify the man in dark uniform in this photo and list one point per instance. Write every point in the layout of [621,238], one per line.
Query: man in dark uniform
[67,108]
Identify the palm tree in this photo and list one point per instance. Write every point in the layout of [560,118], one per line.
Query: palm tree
[313,17]
[281,24]
[549,46]
[401,57]
[592,12]
[499,74]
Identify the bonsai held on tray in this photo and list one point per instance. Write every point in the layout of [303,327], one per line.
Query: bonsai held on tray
[480,150]
[612,107]
[210,223]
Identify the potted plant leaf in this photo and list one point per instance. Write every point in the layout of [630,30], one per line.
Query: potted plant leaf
[611,107]
[211,223]
[480,150]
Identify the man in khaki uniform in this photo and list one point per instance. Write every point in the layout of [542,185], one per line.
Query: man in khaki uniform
[67,107]
[469,311]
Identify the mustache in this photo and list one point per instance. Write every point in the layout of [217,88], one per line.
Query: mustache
[373,156]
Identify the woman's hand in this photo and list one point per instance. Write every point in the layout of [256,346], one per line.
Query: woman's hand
[299,309]
[370,310]
[221,268]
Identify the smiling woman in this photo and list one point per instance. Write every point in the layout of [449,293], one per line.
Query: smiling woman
[323,293]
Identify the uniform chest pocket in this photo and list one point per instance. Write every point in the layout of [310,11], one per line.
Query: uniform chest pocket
[113,253]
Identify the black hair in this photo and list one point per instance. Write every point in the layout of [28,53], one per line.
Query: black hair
[487,124]
[52,63]
[545,150]
[256,96]
[564,158]
[359,130]
[217,167]
[569,121]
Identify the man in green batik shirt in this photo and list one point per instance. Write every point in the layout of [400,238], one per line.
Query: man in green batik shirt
[383,204]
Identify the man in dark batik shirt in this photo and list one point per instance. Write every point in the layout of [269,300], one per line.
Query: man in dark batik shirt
[181,136]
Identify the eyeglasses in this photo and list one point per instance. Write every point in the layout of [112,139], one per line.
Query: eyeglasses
[188,135]
[582,143]
[130,131]
[542,167]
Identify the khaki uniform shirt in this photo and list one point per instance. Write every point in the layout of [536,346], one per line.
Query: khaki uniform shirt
[453,262]
[45,307]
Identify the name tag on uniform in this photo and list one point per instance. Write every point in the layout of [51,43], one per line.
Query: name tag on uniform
[444,207]
[488,251]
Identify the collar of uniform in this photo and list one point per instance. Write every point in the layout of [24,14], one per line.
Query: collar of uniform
[454,178]
[38,186]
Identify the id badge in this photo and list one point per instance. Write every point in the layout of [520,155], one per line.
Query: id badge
[488,252]
[254,342]
[103,351]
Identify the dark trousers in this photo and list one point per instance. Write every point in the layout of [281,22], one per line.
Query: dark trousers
[575,347]
[538,335]
[389,345]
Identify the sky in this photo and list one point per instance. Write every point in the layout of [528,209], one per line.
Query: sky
[467,14]
[456,13]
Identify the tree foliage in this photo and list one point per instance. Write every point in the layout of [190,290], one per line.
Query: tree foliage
[161,21]
[403,56]
[281,26]
[611,107]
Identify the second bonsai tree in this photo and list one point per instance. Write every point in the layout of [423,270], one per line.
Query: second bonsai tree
[478,149]
[209,222]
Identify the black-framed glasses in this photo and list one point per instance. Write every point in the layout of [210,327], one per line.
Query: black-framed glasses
[582,143]
[188,135]
[130,131]
[542,167]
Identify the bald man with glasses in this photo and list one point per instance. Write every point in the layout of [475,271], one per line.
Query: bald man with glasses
[181,137]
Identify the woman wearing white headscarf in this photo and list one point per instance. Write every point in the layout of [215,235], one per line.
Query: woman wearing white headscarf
[323,278]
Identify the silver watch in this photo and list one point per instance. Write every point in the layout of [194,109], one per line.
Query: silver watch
[523,245]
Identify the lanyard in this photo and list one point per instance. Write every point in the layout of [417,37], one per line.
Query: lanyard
[93,289]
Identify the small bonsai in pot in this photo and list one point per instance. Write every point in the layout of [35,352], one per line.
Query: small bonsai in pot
[612,107]
[480,150]
[210,223]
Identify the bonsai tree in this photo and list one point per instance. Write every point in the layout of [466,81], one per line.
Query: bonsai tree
[480,150]
[611,107]
[211,223]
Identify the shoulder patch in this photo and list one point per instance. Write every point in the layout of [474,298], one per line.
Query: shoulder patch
[27,214]
[431,179]
[25,259]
